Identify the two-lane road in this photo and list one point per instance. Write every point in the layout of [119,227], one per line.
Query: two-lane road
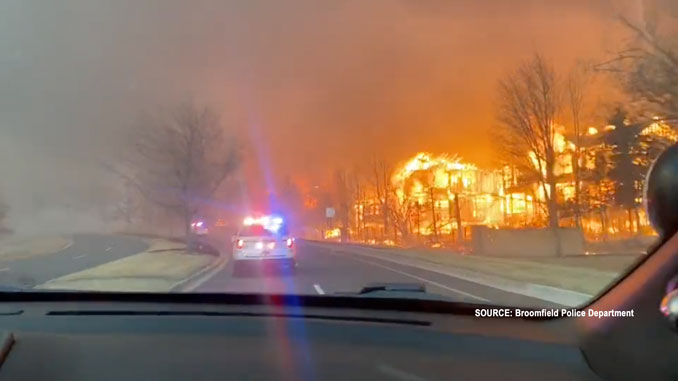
[324,270]
[87,250]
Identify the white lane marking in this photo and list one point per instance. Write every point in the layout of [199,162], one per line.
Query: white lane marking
[424,280]
[398,374]
[318,289]
[4,269]
[66,246]
[108,248]
[79,256]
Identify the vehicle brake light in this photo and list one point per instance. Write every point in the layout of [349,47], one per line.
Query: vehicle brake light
[240,243]
[290,241]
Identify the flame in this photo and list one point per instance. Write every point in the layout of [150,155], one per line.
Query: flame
[438,171]
[434,181]
[661,129]
[564,149]
[332,233]
[451,195]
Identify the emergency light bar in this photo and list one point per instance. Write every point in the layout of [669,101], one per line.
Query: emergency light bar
[271,223]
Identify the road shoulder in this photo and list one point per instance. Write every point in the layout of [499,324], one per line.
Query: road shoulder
[546,292]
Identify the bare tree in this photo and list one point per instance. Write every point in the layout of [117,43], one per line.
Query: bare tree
[648,70]
[383,189]
[598,198]
[575,90]
[358,189]
[344,201]
[402,209]
[178,162]
[529,101]
[653,79]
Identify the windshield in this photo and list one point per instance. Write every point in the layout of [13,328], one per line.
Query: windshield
[481,151]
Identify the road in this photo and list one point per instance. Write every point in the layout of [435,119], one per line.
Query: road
[322,270]
[87,251]
[326,271]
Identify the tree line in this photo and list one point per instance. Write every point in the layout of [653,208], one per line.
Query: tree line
[535,98]
[607,170]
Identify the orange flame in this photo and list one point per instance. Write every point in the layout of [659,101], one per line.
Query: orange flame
[439,169]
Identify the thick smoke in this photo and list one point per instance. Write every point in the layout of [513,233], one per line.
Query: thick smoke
[310,86]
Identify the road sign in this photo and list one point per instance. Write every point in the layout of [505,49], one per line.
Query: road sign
[329,212]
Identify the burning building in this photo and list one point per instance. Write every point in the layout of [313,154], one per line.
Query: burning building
[435,198]
[438,198]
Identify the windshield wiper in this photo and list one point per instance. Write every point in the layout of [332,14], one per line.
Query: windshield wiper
[389,290]
[393,287]
[399,291]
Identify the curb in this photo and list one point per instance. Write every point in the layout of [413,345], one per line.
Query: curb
[548,293]
[201,276]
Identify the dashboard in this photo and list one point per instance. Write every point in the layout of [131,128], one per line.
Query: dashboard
[98,341]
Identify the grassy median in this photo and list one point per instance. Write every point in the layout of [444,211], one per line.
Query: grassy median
[158,269]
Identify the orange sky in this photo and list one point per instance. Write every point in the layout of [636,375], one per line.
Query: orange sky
[394,79]
[309,85]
